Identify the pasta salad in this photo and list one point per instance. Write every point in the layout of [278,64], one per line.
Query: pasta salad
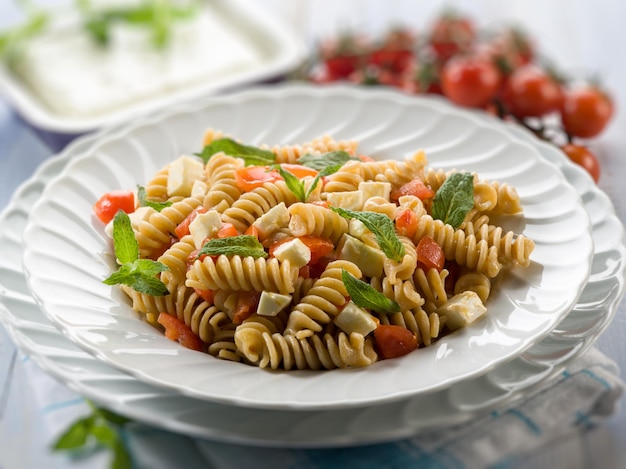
[309,256]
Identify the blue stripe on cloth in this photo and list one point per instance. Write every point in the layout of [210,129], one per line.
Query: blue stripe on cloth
[583,419]
[602,381]
[388,456]
[62,405]
[527,420]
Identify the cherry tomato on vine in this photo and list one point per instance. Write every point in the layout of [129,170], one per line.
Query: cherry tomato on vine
[451,34]
[470,80]
[586,111]
[582,156]
[532,92]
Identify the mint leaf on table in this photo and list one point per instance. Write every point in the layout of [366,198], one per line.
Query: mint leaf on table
[145,202]
[252,156]
[383,229]
[364,295]
[454,199]
[332,158]
[139,274]
[101,427]
[243,245]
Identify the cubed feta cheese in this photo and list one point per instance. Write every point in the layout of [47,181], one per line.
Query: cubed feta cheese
[274,219]
[136,217]
[199,188]
[357,228]
[295,251]
[205,225]
[370,260]
[375,189]
[270,304]
[183,172]
[462,309]
[355,319]
[351,200]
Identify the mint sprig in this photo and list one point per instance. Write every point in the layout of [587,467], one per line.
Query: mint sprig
[139,274]
[297,186]
[454,199]
[100,428]
[12,39]
[252,156]
[333,158]
[145,202]
[364,295]
[383,229]
[159,16]
[243,245]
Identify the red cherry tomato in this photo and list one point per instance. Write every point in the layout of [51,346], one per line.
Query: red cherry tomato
[110,203]
[394,341]
[586,111]
[451,34]
[470,81]
[531,92]
[584,157]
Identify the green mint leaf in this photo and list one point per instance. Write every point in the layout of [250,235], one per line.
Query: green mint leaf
[76,435]
[144,202]
[147,284]
[383,229]
[121,457]
[252,156]
[12,39]
[149,267]
[327,171]
[364,295]
[111,417]
[294,184]
[332,158]
[105,434]
[243,245]
[454,199]
[126,246]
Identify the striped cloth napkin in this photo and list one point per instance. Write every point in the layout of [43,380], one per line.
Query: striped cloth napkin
[35,409]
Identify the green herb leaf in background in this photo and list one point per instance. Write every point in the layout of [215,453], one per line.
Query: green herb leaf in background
[243,245]
[252,156]
[332,158]
[12,39]
[383,229]
[102,427]
[144,202]
[454,199]
[364,295]
[139,274]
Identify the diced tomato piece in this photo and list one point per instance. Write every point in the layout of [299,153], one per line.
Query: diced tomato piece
[406,223]
[206,295]
[454,270]
[177,330]
[253,231]
[251,177]
[110,203]
[429,254]
[394,341]
[415,187]
[183,227]
[247,304]
[227,230]
[317,269]
[320,247]
[304,271]
[299,170]
[366,159]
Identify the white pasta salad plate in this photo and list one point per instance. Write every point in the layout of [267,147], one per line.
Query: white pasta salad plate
[68,254]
